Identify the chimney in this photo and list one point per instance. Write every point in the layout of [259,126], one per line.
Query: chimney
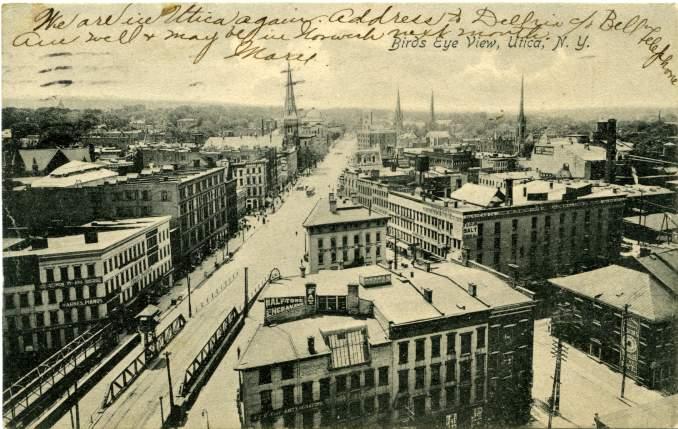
[353,299]
[91,237]
[524,191]
[302,269]
[550,185]
[509,191]
[333,203]
[428,295]
[38,243]
[311,345]
[464,256]
[472,289]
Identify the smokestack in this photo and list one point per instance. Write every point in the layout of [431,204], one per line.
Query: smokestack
[611,150]
[311,345]
[509,191]
[472,289]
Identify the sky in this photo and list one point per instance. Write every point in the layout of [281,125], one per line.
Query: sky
[344,73]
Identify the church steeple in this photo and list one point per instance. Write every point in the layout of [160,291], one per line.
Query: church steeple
[398,120]
[522,123]
[433,111]
[290,114]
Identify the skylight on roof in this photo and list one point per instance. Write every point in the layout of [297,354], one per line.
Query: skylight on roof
[348,347]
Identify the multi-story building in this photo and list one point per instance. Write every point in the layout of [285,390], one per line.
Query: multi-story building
[384,140]
[341,234]
[537,228]
[251,176]
[615,311]
[195,198]
[369,347]
[56,287]
[457,159]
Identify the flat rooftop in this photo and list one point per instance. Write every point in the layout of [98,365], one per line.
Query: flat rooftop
[346,211]
[290,339]
[109,233]
[157,174]
[402,300]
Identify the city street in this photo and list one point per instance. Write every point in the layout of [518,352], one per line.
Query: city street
[587,387]
[282,239]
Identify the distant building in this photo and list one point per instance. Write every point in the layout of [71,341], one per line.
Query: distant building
[58,286]
[369,347]
[340,234]
[75,174]
[40,162]
[187,123]
[605,302]
[437,138]
[251,176]
[196,199]
[384,140]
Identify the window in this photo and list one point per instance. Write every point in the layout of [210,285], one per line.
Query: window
[39,320]
[435,346]
[419,349]
[23,300]
[402,352]
[164,196]
[307,392]
[68,316]
[341,383]
[355,381]
[90,270]
[514,225]
[465,343]
[435,400]
[451,339]
[403,380]
[324,389]
[77,272]
[435,374]
[54,317]
[51,296]
[288,396]
[49,273]
[369,378]
[354,409]
[480,338]
[534,222]
[64,273]
[497,227]
[307,419]
[289,420]
[37,297]
[480,364]
[265,375]
[419,377]
[465,371]
[451,395]
[384,402]
[92,291]
[369,405]
[450,371]
[383,376]
[287,371]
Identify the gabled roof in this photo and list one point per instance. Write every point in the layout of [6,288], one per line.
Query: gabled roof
[77,154]
[42,158]
[478,195]
[664,267]
[617,286]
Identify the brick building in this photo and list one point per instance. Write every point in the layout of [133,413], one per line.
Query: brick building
[601,322]
[56,287]
[342,234]
[368,347]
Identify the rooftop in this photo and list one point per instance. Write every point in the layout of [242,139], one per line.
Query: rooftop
[74,173]
[346,211]
[664,267]
[109,233]
[218,143]
[483,196]
[157,174]
[290,339]
[617,286]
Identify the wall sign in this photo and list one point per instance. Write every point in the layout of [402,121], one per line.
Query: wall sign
[274,306]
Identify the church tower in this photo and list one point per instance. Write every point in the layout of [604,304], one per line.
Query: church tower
[290,114]
[432,119]
[522,123]
[398,120]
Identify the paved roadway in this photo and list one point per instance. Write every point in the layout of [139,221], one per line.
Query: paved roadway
[278,243]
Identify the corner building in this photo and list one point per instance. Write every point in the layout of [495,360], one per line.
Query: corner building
[370,347]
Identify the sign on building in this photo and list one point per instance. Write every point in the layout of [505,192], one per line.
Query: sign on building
[275,306]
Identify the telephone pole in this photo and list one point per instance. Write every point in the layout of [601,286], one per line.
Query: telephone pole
[559,351]
[190,308]
[169,380]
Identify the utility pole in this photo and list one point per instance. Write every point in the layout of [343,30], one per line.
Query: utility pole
[77,406]
[162,413]
[559,352]
[625,327]
[395,251]
[169,380]
[244,309]
[190,308]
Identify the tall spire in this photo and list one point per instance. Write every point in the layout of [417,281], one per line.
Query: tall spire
[290,115]
[522,123]
[398,121]
[290,102]
[433,112]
